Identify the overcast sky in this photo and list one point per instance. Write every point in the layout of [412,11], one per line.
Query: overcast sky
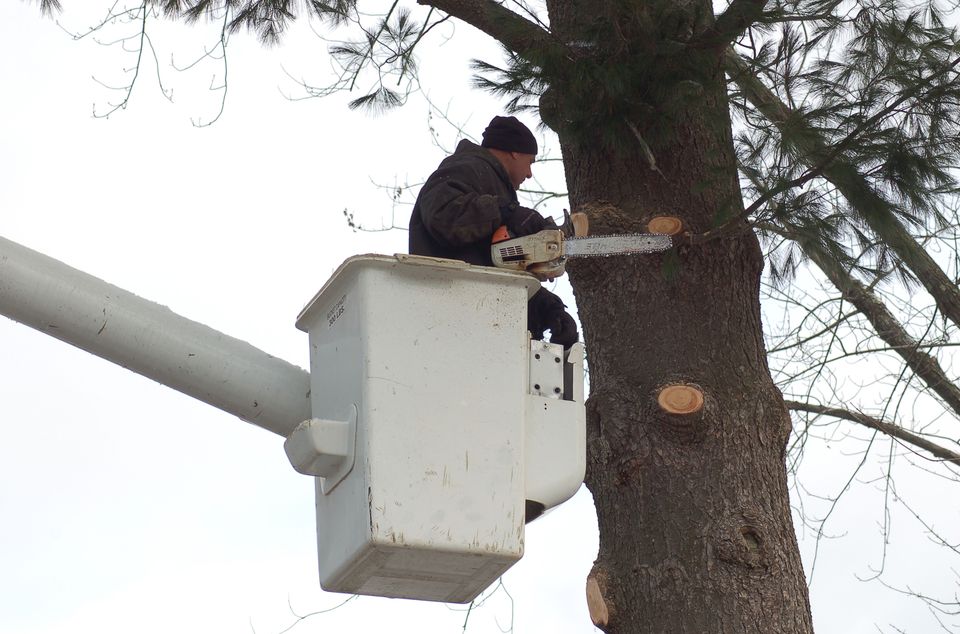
[126,506]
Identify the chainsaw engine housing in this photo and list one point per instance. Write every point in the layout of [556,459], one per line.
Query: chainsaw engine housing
[540,254]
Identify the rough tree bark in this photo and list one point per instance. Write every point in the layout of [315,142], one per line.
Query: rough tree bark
[696,532]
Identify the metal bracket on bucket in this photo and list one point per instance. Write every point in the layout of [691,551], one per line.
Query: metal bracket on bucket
[324,448]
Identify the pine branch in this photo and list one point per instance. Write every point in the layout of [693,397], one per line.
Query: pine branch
[512,30]
[50,7]
[887,327]
[810,146]
[838,148]
[739,16]
[894,431]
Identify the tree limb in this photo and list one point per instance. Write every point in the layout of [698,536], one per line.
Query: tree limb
[739,16]
[894,431]
[810,146]
[887,327]
[512,30]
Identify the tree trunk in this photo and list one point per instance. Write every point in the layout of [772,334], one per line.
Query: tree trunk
[696,532]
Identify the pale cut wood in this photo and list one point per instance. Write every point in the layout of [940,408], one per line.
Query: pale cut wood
[599,613]
[581,224]
[668,225]
[680,399]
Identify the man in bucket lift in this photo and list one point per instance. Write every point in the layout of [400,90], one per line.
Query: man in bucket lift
[473,193]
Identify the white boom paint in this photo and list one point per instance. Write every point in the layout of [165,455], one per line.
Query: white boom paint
[151,340]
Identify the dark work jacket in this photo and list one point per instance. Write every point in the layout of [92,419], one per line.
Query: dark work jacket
[458,208]
[457,212]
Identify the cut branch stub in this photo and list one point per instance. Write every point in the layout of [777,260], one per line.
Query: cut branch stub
[599,613]
[667,225]
[680,399]
[581,224]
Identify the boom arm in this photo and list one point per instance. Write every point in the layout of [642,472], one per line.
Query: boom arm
[151,340]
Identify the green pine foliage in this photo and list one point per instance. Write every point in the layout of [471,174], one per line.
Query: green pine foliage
[873,95]
[388,52]
[50,7]
[870,134]
[630,66]
[267,18]
[866,132]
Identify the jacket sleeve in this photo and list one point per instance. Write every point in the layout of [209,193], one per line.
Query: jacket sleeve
[456,210]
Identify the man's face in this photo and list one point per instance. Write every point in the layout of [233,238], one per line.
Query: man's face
[518,166]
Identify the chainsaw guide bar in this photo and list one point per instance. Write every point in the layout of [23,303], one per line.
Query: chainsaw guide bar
[623,244]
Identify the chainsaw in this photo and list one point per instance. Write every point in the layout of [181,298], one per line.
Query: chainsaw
[545,254]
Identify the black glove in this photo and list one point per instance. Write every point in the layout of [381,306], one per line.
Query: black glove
[563,330]
[522,221]
[546,311]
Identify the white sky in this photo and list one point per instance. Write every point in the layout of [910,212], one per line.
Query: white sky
[125,506]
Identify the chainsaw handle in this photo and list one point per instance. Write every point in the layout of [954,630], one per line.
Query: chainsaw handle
[500,235]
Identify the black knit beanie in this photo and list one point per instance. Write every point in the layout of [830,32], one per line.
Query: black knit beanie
[509,135]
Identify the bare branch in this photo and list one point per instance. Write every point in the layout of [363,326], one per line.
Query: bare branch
[303,617]
[894,431]
[223,86]
[144,12]
[885,324]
